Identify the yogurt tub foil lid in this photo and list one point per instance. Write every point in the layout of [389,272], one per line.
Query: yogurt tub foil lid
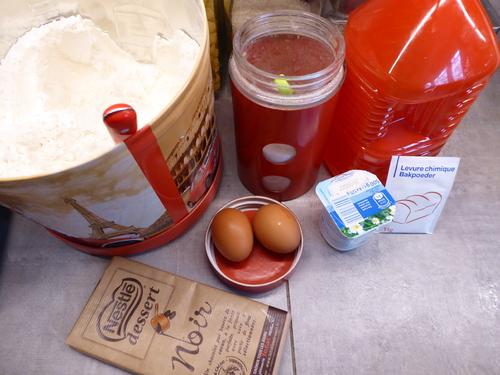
[355,205]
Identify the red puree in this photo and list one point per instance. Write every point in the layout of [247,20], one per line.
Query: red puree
[288,54]
[262,266]
[304,129]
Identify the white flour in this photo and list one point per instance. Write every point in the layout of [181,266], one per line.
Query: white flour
[57,80]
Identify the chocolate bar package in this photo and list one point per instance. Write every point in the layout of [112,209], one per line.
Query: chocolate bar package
[148,321]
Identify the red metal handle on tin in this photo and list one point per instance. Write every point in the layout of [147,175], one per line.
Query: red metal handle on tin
[121,121]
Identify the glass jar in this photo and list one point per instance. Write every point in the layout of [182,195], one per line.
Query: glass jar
[285,70]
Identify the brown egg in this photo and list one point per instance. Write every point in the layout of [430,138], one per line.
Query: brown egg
[276,228]
[232,234]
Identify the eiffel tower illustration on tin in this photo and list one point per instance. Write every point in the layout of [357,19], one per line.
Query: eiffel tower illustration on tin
[100,225]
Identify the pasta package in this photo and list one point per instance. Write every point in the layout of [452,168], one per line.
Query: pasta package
[210,8]
[242,10]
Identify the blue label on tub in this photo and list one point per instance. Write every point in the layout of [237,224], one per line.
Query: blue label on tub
[357,202]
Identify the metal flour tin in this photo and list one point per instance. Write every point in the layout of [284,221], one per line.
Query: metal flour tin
[153,186]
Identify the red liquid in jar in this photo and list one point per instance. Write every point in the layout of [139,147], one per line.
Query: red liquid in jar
[409,81]
[257,125]
[288,54]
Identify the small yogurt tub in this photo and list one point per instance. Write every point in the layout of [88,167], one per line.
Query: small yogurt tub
[356,205]
[263,270]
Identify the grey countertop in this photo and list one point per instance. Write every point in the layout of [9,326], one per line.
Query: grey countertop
[399,304]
